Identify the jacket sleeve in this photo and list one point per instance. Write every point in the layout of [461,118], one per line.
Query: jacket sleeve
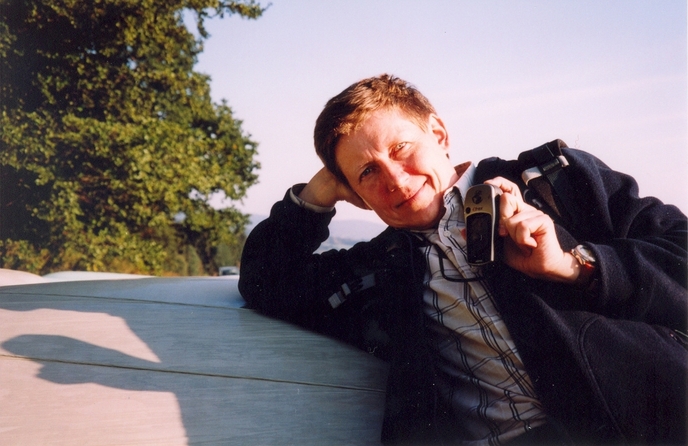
[640,246]
[280,275]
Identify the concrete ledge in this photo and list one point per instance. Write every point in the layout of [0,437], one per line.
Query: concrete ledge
[173,361]
[11,277]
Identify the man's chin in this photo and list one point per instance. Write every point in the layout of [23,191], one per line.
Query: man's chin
[412,223]
[414,217]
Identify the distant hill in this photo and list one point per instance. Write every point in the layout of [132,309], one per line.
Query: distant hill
[343,233]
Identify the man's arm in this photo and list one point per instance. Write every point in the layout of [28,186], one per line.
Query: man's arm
[639,244]
[280,274]
[325,190]
[530,240]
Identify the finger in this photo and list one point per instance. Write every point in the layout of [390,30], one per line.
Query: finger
[510,205]
[506,186]
[528,231]
[514,253]
[528,214]
[525,228]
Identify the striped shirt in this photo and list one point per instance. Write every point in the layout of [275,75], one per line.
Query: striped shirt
[480,371]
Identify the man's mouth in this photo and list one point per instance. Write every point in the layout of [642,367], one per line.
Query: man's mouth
[409,198]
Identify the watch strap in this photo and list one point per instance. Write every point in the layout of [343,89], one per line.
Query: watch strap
[587,265]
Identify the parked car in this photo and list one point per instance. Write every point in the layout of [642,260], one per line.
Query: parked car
[229,271]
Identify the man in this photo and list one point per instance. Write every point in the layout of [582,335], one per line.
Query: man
[575,336]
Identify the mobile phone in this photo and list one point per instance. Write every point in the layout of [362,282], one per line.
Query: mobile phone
[481,212]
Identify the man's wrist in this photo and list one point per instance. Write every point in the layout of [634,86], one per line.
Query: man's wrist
[294,194]
[587,265]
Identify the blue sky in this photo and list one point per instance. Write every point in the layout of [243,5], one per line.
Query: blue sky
[606,76]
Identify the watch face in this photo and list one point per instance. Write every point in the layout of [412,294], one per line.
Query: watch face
[585,253]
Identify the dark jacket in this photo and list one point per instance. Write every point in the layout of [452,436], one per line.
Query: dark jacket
[608,365]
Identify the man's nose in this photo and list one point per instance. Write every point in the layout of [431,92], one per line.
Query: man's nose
[395,176]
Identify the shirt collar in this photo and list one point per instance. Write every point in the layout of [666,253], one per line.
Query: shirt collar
[456,192]
[465,180]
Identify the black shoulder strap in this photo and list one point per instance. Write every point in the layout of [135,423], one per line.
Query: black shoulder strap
[545,175]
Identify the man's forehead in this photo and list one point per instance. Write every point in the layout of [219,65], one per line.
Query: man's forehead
[392,112]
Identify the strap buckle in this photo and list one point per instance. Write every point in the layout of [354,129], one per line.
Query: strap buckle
[355,286]
[550,167]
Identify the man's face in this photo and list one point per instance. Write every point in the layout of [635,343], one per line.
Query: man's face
[400,170]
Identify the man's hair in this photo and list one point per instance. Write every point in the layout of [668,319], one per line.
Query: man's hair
[345,112]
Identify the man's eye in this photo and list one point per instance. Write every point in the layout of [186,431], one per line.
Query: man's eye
[400,147]
[365,173]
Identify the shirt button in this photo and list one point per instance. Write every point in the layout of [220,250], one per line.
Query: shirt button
[447,233]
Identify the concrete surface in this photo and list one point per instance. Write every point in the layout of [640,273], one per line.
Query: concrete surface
[173,361]
[12,277]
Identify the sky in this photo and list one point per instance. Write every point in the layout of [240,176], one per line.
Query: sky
[605,76]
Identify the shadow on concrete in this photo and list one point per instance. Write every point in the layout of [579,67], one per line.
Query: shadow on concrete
[238,377]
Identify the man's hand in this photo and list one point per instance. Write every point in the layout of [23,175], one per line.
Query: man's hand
[530,242]
[325,190]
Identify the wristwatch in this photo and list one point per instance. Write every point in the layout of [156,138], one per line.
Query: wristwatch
[587,262]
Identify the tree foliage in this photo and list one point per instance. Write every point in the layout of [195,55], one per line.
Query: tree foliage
[110,145]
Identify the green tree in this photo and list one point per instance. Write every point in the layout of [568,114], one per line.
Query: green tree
[110,145]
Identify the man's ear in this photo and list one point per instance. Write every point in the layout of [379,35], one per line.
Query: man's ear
[438,129]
